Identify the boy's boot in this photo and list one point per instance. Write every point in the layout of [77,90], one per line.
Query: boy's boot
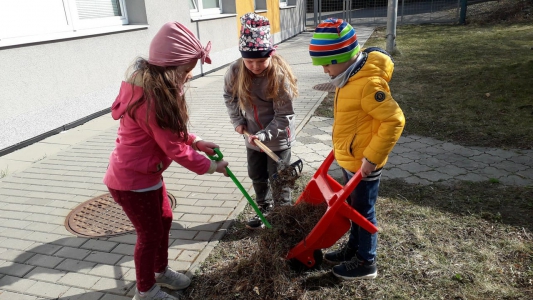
[356,269]
[255,221]
[263,203]
[155,293]
[344,253]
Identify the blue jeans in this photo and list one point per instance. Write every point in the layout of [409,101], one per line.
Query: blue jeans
[363,200]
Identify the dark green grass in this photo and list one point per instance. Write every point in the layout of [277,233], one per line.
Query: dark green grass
[467,84]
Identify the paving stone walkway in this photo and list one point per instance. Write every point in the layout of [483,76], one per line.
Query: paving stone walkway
[423,160]
[40,259]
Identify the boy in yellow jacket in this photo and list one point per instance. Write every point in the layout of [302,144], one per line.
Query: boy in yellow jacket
[367,124]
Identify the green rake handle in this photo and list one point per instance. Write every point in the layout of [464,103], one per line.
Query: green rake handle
[218,157]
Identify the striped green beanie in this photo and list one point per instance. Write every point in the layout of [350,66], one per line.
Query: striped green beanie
[333,42]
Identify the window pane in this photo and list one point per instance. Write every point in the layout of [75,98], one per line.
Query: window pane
[89,9]
[31,17]
[260,5]
[192,4]
[210,4]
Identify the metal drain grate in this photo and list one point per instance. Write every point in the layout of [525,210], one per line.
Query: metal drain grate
[101,217]
[326,87]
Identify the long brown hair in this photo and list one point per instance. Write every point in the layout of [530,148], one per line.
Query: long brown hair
[280,78]
[163,92]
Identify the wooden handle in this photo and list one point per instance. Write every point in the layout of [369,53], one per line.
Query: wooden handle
[264,148]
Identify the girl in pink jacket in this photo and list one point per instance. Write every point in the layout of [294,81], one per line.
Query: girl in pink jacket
[152,133]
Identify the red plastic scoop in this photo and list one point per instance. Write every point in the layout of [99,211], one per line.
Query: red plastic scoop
[336,220]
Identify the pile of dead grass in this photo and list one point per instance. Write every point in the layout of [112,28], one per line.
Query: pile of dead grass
[442,241]
[259,269]
[286,177]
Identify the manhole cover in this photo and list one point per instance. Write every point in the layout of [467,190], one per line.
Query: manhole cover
[326,87]
[101,217]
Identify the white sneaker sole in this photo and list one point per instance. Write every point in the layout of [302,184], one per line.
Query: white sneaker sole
[369,276]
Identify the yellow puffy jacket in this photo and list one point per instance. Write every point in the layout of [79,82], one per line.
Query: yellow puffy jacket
[367,120]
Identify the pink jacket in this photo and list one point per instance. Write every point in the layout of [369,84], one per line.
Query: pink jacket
[143,151]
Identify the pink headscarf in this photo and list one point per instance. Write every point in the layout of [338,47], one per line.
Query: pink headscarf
[174,45]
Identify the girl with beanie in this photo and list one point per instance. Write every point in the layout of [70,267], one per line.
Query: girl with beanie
[152,133]
[258,91]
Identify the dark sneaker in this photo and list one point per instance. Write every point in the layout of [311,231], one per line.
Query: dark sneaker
[255,222]
[356,269]
[345,253]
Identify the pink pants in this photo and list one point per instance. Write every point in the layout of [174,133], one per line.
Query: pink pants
[151,215]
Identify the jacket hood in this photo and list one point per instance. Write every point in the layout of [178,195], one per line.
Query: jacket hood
[377,63]
[128,92]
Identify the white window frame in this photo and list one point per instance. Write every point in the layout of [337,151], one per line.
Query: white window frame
[283,3]
[72,22]
[199,11]
[97,22]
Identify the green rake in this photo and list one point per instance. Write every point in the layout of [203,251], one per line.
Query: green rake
[218,157]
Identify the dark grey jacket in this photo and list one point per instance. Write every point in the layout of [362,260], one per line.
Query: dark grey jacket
[273,124]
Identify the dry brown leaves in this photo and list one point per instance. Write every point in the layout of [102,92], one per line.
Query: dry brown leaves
[262,272]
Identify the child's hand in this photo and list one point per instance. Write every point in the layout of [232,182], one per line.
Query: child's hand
[251,139]
[221,167]
[240,129]
[206,147]
[367,168]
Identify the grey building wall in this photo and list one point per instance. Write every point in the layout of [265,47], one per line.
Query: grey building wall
[47,85]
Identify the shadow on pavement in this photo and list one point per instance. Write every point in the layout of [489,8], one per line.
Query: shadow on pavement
[49,269]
